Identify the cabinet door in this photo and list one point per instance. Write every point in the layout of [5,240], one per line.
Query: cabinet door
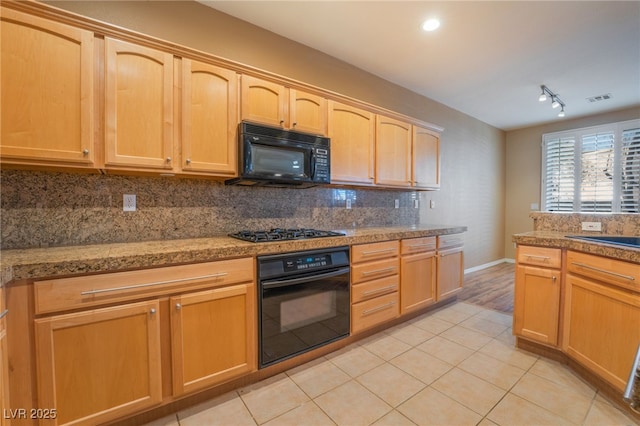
[139,107]
[601,328]
[352,133]
[537,304]
[450,273]
[264,102]
[209,118]
[213,336]
[47,92]
[308,113]
[418,281]
[426,158]
[393,152]
[99,365]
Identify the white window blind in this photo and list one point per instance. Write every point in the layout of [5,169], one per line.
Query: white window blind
[630,194]
[592,170]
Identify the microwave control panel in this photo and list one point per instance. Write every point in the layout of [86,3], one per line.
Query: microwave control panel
[322,173]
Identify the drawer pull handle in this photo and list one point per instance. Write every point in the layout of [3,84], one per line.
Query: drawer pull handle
[543,258]
[604,271]
[368,253]
[109,290]
[379,290]
[423,245]
[4,313]
[378,271]
[379,308]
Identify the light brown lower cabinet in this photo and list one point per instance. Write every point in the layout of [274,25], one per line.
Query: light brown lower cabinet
[537,304]
[602,328]
[211,336]
[4,365]
[417,274]
[100,364]
[450,266]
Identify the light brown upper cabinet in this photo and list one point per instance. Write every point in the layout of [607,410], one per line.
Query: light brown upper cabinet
[425,164]
[209,119]
[47,92]
[138,107]
[393,152]
[352,133]
[276,105]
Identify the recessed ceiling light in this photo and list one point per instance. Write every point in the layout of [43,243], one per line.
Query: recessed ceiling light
[431,24]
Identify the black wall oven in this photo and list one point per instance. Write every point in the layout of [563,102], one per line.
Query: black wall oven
[303,300]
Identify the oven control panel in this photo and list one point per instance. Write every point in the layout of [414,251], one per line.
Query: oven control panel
[306,262]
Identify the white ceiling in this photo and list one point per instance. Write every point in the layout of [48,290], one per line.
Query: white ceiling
[488,59]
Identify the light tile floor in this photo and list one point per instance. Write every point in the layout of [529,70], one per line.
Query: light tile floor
[454,366]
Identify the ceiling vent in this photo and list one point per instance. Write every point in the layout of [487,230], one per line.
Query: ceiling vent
[599,98]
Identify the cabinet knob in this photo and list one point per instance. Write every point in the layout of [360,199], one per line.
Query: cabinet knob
[188,161]
[85,152]
[295,124]
[168,159]
[282,122]
[178,306]
[554,278]
[152,311]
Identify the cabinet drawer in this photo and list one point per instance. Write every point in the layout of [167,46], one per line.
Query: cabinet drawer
[540,256]
[610,271]
[450,241]
[375,311]
[373,270]
[87,291]
[417,245]
[374,251]
[374,288]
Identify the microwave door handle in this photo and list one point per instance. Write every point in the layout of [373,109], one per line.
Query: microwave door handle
[313,164]
[307,279]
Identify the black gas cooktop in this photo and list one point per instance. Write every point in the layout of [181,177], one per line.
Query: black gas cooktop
[281,234]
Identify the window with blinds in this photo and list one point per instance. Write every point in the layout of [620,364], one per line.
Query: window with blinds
[592,170]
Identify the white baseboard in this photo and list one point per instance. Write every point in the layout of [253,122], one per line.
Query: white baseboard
[488,265]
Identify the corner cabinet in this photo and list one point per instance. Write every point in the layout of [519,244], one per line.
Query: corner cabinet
[425,159]
[352,132]
[209,119]
[47,97]
[537,294]
[138,107]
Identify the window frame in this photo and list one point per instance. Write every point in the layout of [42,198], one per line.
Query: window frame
[617,129]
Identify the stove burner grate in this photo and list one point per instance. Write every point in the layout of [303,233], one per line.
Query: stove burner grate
[282,234]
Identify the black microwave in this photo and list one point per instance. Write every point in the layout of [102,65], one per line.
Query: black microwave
[271,156]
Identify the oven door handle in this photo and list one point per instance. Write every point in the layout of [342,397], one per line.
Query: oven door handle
[307,279]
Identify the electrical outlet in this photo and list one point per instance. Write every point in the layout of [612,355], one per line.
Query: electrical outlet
[591,226]
[396,204]
[348,204]
[432,204]
[129,203]
[416,204]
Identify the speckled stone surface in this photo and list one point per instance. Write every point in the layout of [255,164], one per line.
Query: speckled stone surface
[59,261]
[552,229]
[559,239]
[47,209]
[612,224]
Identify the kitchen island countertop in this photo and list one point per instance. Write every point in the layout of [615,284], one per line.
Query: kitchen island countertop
[62,261]
[560,240]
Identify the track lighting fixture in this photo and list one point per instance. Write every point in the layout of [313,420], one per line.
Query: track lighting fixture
[555,100]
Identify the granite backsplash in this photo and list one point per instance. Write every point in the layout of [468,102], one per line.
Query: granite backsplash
[612,223]
[44,209]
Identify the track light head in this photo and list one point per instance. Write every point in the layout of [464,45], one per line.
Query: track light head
[554,102]
[561,113]
[543,95]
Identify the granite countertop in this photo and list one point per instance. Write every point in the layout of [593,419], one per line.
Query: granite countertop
[60,261]
[558,239]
